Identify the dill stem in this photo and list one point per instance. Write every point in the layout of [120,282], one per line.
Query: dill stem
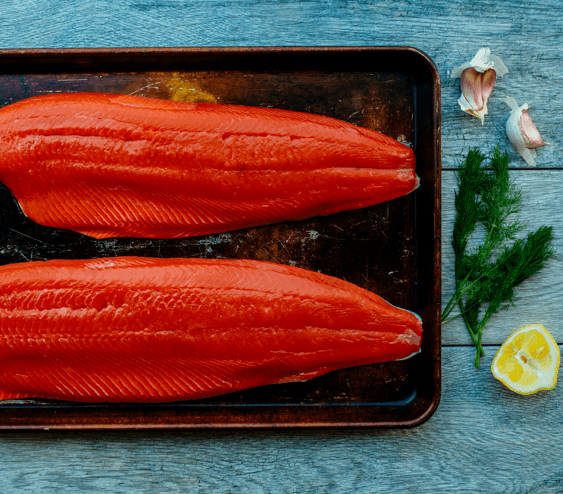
[476,342]
[456,297]
[477,331]
[451,319]
[482,324]
[477,353]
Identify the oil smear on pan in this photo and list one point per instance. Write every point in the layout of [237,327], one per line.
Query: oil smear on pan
[174,86]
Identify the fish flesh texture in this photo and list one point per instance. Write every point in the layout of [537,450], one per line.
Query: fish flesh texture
[131,329]
[109,165]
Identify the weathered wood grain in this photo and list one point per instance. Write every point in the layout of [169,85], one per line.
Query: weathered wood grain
[524,34]
[540,297]
[483,438]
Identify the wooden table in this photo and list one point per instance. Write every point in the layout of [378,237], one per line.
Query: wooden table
[483,438]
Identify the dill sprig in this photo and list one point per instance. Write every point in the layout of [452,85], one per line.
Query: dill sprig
[488,272]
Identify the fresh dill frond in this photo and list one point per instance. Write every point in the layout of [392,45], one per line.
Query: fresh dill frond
[489,272]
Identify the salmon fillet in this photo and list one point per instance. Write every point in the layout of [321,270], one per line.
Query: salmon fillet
[111,165]
[131,329]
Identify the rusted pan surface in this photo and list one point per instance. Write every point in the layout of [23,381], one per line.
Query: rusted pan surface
[392,249]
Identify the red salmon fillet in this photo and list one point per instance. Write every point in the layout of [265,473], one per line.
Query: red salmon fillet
[126,166]
[155,330]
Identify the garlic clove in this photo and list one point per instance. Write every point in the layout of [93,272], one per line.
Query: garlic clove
[522,132]
[530,133]
[478,79]
[476,87]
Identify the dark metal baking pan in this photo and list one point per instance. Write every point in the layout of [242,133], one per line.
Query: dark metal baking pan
[392,249]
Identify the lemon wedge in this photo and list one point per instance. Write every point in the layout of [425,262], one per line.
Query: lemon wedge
[528,361]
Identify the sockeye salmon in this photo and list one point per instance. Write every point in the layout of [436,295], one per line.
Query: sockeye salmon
[131,329]
[110,165]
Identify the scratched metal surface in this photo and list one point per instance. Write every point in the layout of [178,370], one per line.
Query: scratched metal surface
[375,247]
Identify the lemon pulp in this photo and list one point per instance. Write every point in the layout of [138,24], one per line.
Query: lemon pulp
[528,361]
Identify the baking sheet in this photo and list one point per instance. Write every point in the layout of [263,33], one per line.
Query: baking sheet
[392,249]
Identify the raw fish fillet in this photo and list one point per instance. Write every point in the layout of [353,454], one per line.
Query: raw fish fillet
[132,329]
[109,165]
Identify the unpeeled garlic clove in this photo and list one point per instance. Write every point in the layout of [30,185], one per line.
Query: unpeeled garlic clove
[522,132]
[478,79]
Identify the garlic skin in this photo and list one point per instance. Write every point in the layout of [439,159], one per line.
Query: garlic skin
[522,132]
[478,79]
[482,62]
